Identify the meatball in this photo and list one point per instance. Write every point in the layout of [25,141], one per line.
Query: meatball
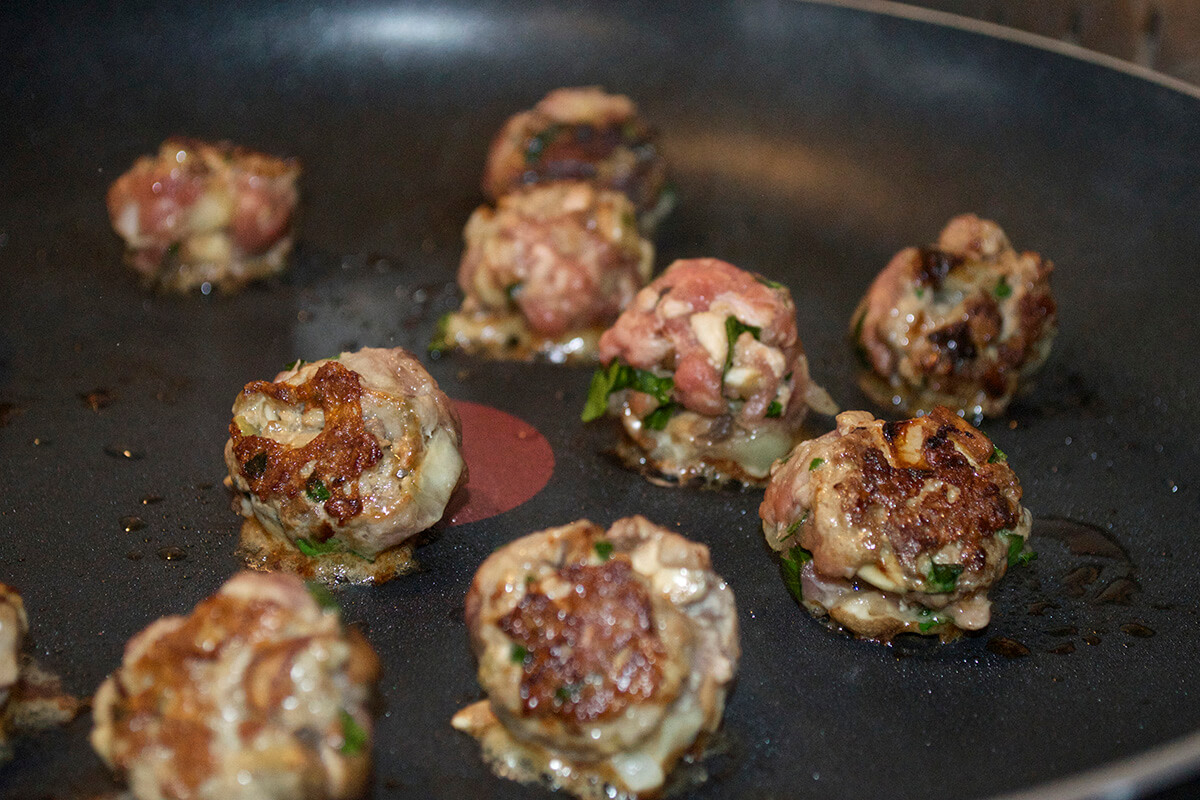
[344,459]
[547,271]
[964,323]
[30,699]
[894,527]
[605,656]
[707,375]
[582,134]
[261,692]
[201,215]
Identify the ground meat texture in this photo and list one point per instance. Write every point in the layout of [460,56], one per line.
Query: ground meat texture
[963,323]
[582,134]
[356,453]
[546,271]
[202,215]
[891,527]
[722,346]
[605,655]
[261,692]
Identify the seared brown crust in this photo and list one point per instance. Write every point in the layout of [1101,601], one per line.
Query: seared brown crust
[578,134]
[341,452]
[592,652]
[889,493]
[963,323]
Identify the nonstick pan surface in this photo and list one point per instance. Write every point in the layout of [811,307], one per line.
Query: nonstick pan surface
[809,143]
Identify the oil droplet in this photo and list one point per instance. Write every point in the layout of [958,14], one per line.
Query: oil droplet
[1064,649]
[40,441]
[1080,538]
[97,399]
[172,553]
[1119,591]
[132,523]
[1137,629]
[127,453]
[134,555]
[1091,639]
[1079,578]
[151,499]
[1009,648]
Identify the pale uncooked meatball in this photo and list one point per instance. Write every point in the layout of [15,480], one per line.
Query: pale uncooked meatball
[205,216]
[894,527]
[605,655]
[964,323]
[259,694]
[582,134]
[546,271]
[346,457]
[707,375]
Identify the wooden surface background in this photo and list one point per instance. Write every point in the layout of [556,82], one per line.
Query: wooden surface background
[1161,34]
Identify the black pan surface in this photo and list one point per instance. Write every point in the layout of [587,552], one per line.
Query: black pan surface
[809,143]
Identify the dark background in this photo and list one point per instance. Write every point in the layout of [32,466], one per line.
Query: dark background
[809,143]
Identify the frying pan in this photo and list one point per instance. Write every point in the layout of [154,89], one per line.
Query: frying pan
[809,143]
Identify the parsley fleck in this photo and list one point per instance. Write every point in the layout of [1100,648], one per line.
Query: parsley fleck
[860,351]
[943,577]
[1018,554]
[769,283]
[440,343]
[604,549]
[173,248]
[354,737]
[657,419]
[997,455]
[1002,289]
[920,292]
[512,290]
[816,463]
[255,467]
[734,328]
[931,619]
[519,653]
[299,362]
[795,526]
[774,410]
[617,376]
[794,561]
[323,596]
[316,490]
[313,549]
[568,693]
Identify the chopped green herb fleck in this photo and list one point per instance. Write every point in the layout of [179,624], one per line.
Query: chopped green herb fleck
[354,738]
[530,580]
[538,143]
[568,693]
[316,490]
[795,526]
[255,467]
[323,596]
[769,283]
[173,248]
[297,364]
[617,376]
[657,419]
[775,409]
[439,343]
[313,549]
[860,351]
[604,549]
[734,328]
[519,653]
[1002,289]
[794,561]
[997,455]
[920,292]
[816,463]
[944,577]
[512,290]
[931,619]
[1018,554]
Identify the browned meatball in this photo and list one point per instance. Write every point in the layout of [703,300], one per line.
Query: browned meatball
[892,527]
[707,374]
[582,134]
[606,656]
[202,215]
[345,458]
[260,693]
[547,271]
[964,323]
